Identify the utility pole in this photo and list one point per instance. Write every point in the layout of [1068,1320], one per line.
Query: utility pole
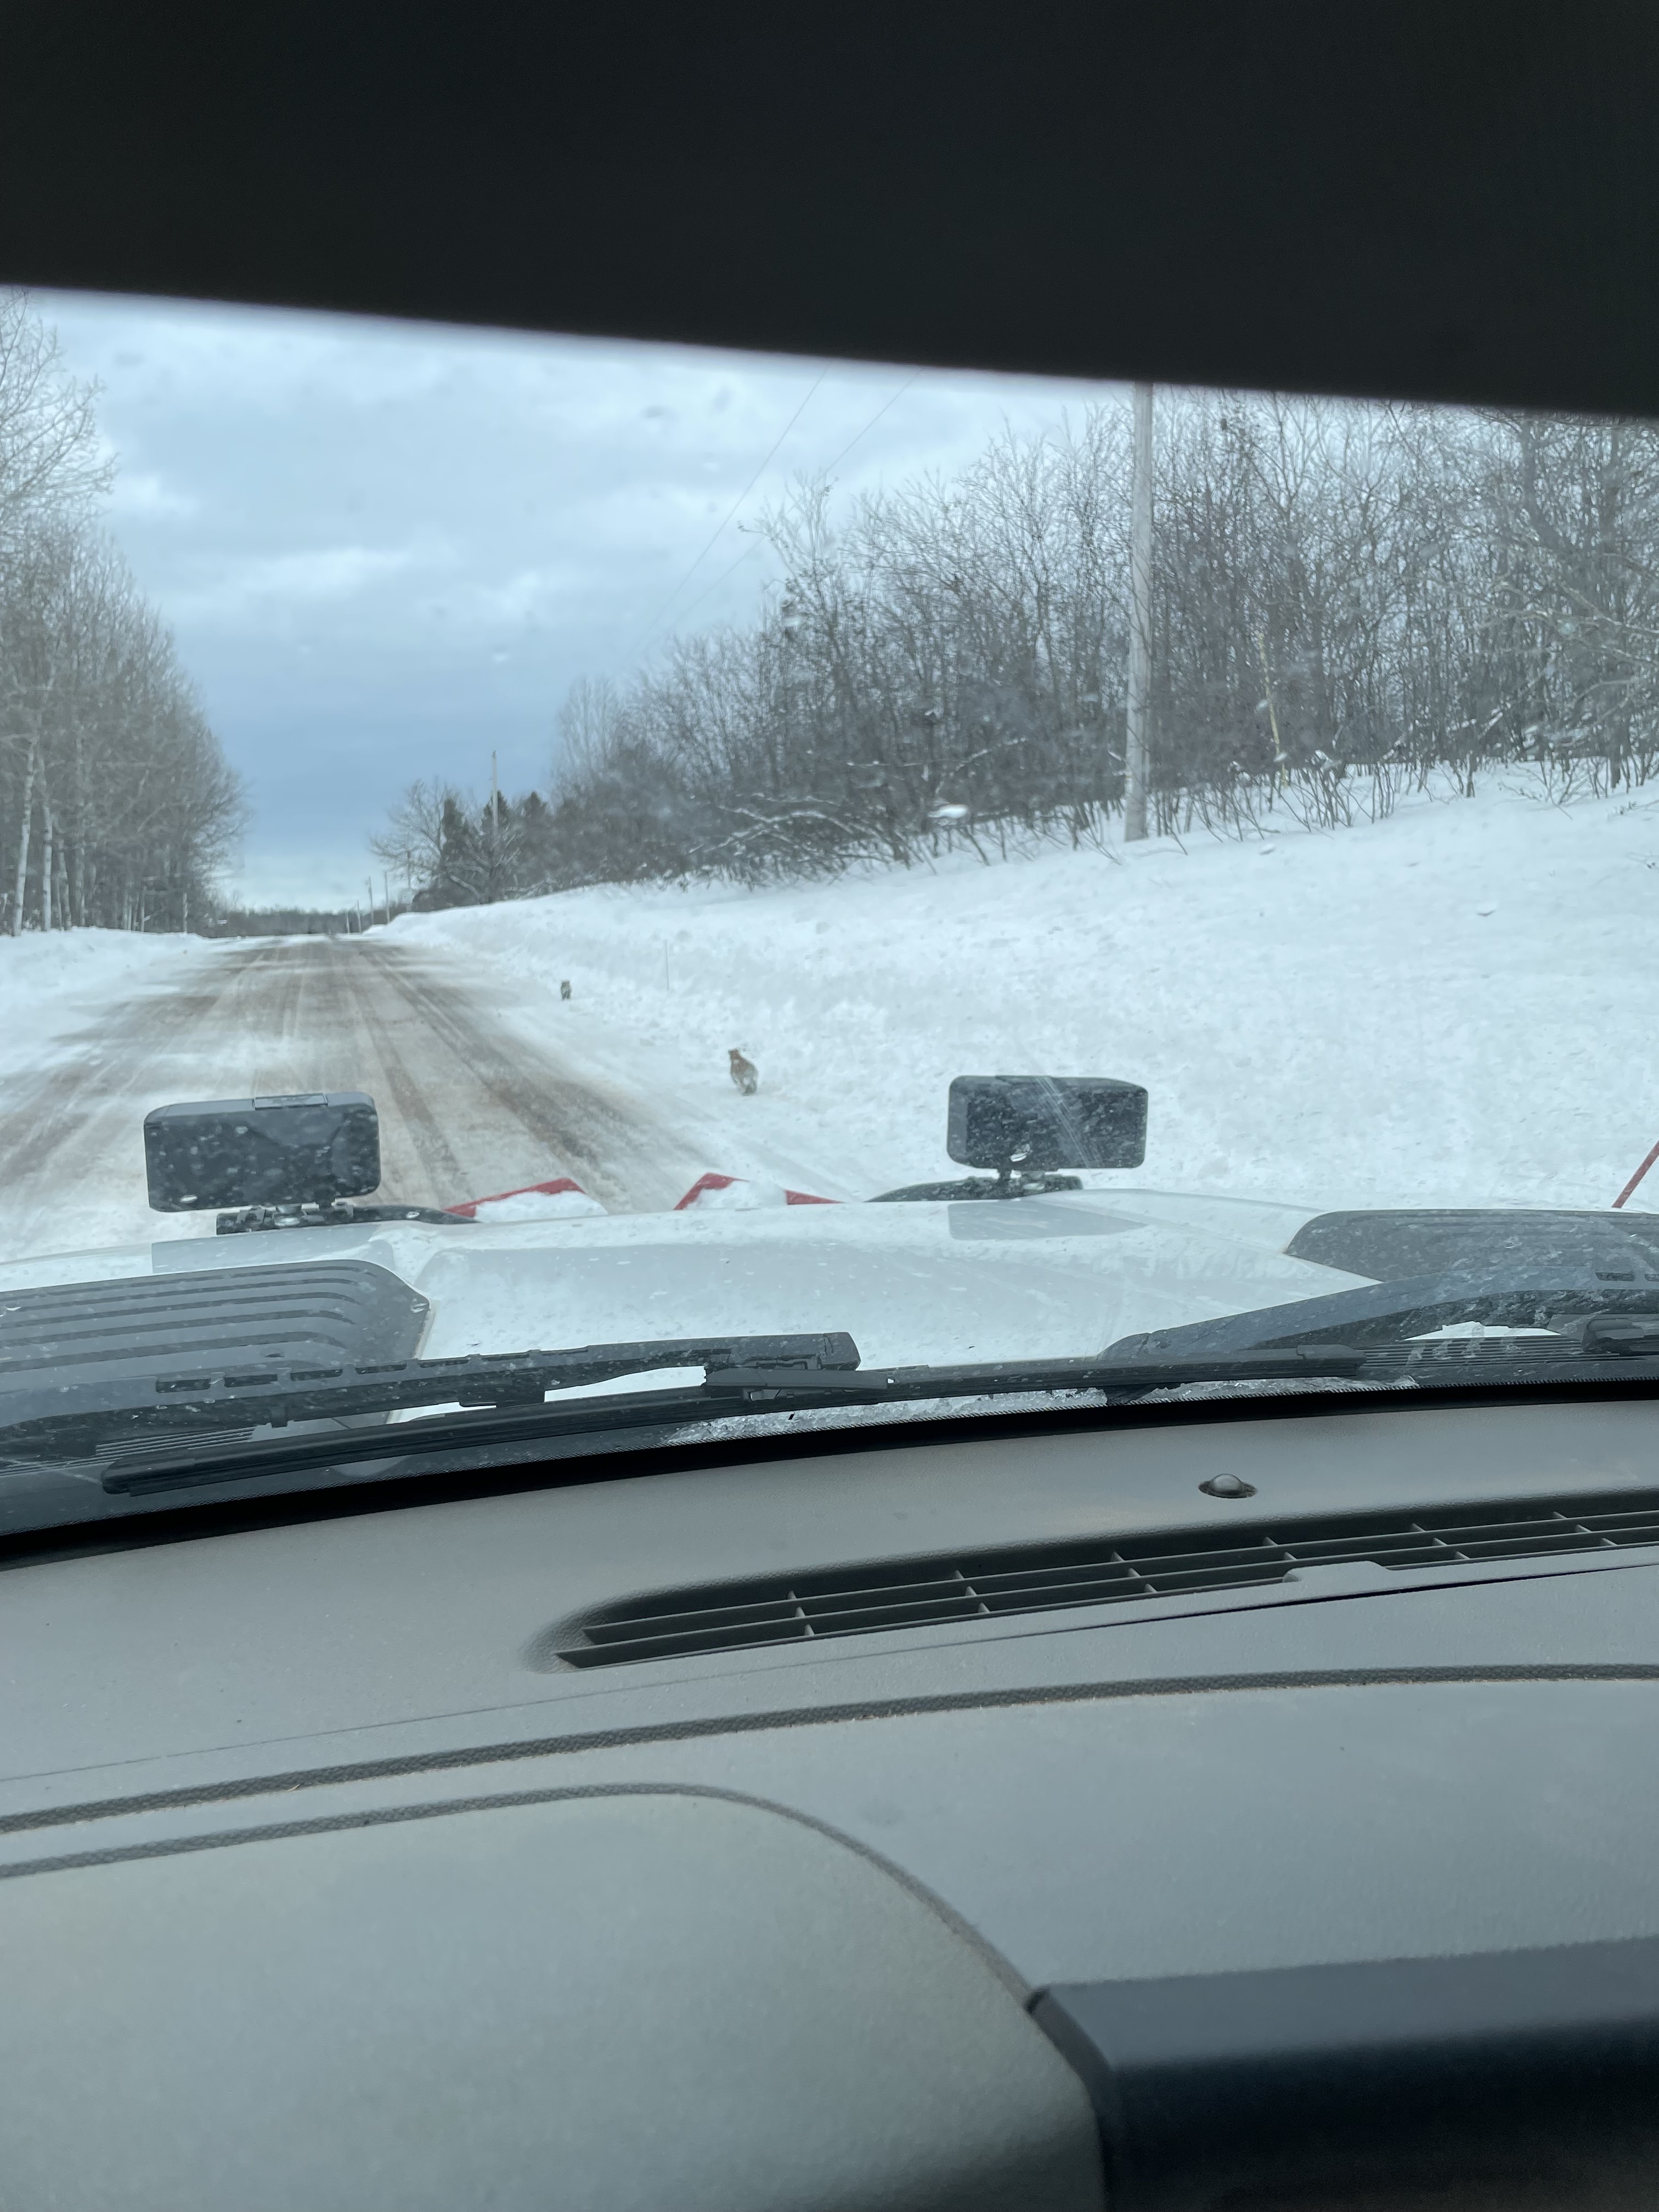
[1137,753]
[495,830]
[1273,713]
[369,886]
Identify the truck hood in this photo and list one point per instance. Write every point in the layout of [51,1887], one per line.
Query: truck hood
[1054,1276]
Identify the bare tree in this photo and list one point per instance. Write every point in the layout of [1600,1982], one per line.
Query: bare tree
[52,467]
[412,844]
[115,794]
[1346,600]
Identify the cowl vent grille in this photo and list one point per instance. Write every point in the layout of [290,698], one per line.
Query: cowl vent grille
[1037,1579]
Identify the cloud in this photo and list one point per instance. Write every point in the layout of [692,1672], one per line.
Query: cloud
[144,492]
[388,550]
[529,595]
[317,577]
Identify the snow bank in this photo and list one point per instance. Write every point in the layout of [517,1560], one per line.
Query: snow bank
[1457,1004]
[56,984]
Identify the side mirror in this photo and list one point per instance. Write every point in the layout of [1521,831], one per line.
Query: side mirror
[1023,1125]
[305,1149]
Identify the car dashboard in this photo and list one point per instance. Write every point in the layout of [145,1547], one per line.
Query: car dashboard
[1286,1845]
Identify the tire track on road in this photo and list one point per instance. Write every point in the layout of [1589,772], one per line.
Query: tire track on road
[440,1168]
[466,1108]
[611,1147]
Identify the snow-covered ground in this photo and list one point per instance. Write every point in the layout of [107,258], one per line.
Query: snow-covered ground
[1459,1004]
[54,987]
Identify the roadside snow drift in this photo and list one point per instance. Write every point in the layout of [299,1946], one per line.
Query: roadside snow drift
[1456,1006]
[54,986]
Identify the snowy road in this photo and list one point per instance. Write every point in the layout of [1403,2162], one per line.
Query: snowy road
[468,1104]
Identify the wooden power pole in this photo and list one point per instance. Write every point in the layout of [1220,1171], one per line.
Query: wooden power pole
[1137,753]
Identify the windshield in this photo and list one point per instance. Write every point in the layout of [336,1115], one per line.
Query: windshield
[560,896]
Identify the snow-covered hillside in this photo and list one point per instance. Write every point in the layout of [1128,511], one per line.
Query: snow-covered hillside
[1457,1004]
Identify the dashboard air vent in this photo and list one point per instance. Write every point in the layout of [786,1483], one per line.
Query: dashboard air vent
[918,1594]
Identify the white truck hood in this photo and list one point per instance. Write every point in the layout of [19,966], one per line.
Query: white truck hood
[1055,1276]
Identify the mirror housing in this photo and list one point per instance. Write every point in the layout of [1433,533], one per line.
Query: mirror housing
[309,1148]
[1029,1124]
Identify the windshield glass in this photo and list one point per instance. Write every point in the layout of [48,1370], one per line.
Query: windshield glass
[555,894]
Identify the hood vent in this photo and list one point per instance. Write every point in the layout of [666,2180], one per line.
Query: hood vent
[304,1313]
[920,1594]
[1395,1247]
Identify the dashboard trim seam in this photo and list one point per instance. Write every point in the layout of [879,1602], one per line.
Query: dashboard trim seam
[756,1724]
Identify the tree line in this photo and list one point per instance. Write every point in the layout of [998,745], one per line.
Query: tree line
[1349,601]
[116,803]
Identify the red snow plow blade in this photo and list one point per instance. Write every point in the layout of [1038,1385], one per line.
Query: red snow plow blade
[560,1187]
[709,1187]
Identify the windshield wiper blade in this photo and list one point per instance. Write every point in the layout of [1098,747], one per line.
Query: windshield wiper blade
[801,1391]
[1103,1371]
[1520,1358]
[769,1385]
[800,1387]
[80,1418]
[1381,1315]
[1621,1336]
[501,1415]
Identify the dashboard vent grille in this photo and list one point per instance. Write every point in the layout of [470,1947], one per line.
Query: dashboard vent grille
[1036,1578]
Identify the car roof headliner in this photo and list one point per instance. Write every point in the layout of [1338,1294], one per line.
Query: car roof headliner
[1405,199]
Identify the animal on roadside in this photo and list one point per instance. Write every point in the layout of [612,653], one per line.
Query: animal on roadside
[744,1073]
[564,990]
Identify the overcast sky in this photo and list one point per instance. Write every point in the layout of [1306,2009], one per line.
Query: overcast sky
[385,549]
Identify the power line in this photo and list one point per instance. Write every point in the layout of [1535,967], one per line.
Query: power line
[747,553]
[732,509]
[869,425]
[687,613]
